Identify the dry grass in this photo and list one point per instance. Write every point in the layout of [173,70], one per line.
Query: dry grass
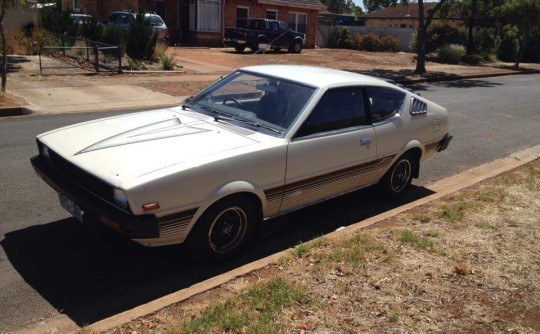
[468,263]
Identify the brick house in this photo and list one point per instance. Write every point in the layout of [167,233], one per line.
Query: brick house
[203,22]
[403,16]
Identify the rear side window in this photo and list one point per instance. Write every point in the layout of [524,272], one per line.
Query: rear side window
[338,109]
[155,20]
[384,102]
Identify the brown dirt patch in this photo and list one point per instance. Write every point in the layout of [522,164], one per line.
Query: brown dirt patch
[468,263]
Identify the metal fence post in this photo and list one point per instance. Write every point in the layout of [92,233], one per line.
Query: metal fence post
[119,59]
[40,66]
[96,57]
[87,51]
[63,45]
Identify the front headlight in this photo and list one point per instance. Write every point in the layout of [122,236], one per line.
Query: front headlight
[120,198]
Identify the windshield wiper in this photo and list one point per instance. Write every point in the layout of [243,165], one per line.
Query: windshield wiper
[221,116]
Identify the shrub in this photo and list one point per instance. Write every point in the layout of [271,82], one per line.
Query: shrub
[141,38]
[356,41]
[19,42]
[389,43]
[370,42]
[58,22]
[438,35]
[344,39]
[113,35]
[450,54]
[168,62]
[159,51]
[486,42]
[412,43]
[509,48]
[92,29]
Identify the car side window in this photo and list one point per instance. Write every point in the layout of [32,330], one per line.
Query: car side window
[338,109]
[274,26]
[283,26]
[384,102]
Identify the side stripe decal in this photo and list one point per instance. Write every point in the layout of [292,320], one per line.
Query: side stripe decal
[300,191]
[176,223]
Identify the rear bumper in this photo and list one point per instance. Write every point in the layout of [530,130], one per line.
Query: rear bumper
[443,144]
[95,207]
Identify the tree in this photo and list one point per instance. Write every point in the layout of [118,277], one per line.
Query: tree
[525,15]
[373,5]
[339,6]
[3,9]
[423,25]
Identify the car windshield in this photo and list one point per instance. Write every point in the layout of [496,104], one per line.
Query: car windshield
[261,102]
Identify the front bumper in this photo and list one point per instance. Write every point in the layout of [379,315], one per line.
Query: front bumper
[95,207]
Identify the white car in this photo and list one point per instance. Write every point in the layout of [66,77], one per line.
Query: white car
[259,143]
[126,19]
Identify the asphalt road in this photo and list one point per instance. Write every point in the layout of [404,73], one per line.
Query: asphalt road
[50,263]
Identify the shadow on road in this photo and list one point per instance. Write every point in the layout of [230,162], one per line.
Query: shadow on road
[89,273]
[469,83]
[13,63]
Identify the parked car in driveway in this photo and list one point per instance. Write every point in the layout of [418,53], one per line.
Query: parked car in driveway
[259,143]
[125,19]
[275,34]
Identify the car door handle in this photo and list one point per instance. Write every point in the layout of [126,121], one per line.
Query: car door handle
[365,141]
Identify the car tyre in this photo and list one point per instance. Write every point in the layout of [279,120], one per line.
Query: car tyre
[239,48]
[399,177]
[223,229]
[296,47]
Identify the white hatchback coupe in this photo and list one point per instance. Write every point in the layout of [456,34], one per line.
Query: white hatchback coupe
[259,143]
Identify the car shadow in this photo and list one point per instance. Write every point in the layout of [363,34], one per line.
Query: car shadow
[90,273]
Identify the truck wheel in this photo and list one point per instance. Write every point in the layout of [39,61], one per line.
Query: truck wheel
[223,229]
[296,47]
[239,48]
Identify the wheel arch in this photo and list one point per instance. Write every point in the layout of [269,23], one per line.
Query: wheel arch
[414,148]
[227,191]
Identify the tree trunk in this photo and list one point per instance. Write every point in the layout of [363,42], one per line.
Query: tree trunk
[4,47]
[470,40]
[522,50]
[421,41]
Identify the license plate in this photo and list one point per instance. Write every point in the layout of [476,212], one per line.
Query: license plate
[71,207]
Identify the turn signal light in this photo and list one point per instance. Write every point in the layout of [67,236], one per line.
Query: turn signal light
[150,206]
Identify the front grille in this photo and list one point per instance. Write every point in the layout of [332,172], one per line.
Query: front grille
[81,178]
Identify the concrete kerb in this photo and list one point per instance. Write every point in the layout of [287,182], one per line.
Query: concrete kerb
[441,188]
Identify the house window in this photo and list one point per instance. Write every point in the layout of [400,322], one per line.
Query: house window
[271,14]
[76,6]
[298,22]
[205,15]
[242,17]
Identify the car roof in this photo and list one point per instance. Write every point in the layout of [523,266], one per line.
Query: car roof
[316,76]
[134,13]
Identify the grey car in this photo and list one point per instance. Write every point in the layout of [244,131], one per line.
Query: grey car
[125,19]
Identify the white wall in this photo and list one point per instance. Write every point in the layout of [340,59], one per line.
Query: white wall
[403,35]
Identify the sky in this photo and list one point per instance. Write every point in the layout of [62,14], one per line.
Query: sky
[359,3]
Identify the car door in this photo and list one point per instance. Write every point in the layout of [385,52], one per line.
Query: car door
[333,152]
[385,105]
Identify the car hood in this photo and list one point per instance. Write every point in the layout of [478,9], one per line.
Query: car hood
[122,148]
